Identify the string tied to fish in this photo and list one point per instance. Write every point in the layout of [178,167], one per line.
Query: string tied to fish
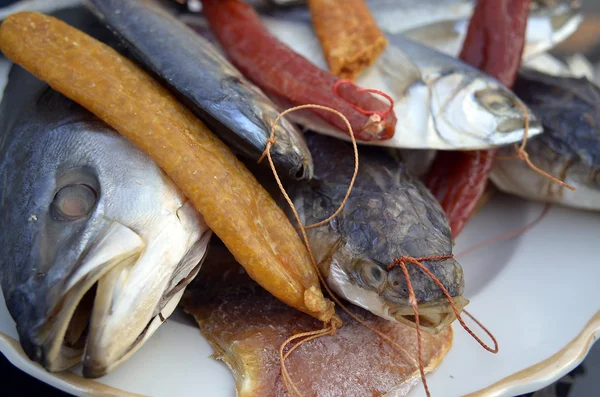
[401,262]
[334,321]
[520,152]
[377,116]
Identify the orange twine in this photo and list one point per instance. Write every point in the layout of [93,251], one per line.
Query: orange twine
[401,262]
[380,115]
[523,155]
[330,328]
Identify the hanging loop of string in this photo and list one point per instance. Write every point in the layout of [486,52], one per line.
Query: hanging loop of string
[272,140]
[508,235]
[523,155]
[378,115]
[330,328]
[401,262]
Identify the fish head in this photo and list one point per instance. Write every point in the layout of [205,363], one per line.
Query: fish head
[569,148]
[474,110]
[369,284]
[97,243]
[355,251]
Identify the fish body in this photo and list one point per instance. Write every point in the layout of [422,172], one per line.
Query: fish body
[547,26]
[97,244]
[232,107]
[246,326]
[388,215]
[440,102]
[442,24]
[569,109]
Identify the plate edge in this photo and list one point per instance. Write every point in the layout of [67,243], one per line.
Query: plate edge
[66,380]
[550,369]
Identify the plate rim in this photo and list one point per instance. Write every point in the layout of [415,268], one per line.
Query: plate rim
[542,373]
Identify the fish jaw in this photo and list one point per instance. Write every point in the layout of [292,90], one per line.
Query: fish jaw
[434,316]
[57,345]
[121,292]
[134,299]
[386,297]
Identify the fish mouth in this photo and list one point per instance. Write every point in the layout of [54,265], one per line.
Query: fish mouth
[122,291]
[434,316]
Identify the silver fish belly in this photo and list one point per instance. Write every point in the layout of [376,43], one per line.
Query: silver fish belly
[441,102]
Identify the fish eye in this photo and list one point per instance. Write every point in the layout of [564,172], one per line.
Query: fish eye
[372,274]
[495,100]
[73,202]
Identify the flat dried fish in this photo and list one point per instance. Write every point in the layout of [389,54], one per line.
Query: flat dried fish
[246,325]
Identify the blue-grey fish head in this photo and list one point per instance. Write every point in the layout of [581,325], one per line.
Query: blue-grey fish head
[97,244]
[569,109]
[355,263]
[389,214]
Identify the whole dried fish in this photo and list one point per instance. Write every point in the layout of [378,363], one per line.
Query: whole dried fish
[389,214]
[98,244]
[231,106]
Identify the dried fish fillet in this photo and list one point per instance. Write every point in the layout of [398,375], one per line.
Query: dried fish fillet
[235,206]
[349,35]
[246,326]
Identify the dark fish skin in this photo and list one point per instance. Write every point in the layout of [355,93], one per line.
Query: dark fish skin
[36,125]
[33,118]
[569,109]
[389,214]
[569,148]
[231,106]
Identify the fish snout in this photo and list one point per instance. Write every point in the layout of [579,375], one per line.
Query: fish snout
[134,299]
[435,310]
[52,314]
[121,290]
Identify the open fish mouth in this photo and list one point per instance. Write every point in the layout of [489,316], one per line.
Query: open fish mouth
[434,316]
[122,290]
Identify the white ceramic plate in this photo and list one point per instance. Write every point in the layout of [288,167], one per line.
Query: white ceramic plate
[537,293]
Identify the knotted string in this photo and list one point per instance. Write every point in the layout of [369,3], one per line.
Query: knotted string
[333,324]
[376,115]
[329,329]
[523,155]
[401,262]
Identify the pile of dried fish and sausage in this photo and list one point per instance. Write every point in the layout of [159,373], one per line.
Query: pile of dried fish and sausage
[132,180]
